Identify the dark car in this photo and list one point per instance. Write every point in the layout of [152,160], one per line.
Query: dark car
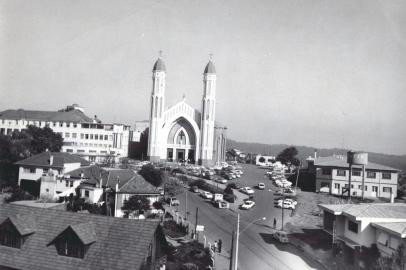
[234,185]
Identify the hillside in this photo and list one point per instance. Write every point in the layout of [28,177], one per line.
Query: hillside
[394,161]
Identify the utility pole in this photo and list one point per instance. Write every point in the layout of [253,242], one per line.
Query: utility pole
[236,242]
[297,175]
[197,220]
[186,207]
[232,251]
[363,181]
[283,203]
[349,183]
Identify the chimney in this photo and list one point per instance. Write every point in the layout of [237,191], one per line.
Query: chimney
[315,153]
[51,160]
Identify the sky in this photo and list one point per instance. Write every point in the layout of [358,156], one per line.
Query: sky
[317,73]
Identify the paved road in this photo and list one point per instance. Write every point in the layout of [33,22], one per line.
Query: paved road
[257,248]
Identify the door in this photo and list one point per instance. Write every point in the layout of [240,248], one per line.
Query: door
[180,154]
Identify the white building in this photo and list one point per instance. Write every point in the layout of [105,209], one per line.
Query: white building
[182,132]
[332,174]
[82,135]
[50,168]
[362,225]
[261,160]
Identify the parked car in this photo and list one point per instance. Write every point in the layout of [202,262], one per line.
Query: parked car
[281,236]
[248,204]
[173,201]
[285,205]
[261,186]
[234,185]
[221,204]
[287,200]
[247,190]
[222,181]
[194,189]
[206,195]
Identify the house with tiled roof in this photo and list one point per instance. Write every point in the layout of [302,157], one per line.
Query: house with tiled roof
[46,239]
[332,176]
[122,183]
[88,137]
[358,226]
[57,164]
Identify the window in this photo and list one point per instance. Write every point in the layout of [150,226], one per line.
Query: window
[352,186]
[82,136]
[67,135]
[71,183]
[356,173]
[326,171]
[383,239]
[371,174]
[101,137]
[86,136]
[66,183]
[29,170]
[87,193]
[91,136]
[61,124]
[70,246]
[360,187]
[92,151]
[69,150]
[386,175]
[341,173]
[75,125]
[394,243]
[9,236]
[96,136]
[352,226]
[74,135]
[374,188]
[366,187]
[337,186]
[106,137]
[387,189]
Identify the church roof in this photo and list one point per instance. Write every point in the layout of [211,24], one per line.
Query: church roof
[159,65]
[210,68]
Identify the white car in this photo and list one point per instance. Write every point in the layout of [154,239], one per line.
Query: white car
[261,186]
[248,204]
[285,205]
[281,236]
[291,201]
[247,190]
[206,195]
[222,181]
[239,172]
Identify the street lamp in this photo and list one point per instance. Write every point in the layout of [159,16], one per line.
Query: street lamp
[238,232]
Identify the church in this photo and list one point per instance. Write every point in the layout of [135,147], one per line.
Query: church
[181,132]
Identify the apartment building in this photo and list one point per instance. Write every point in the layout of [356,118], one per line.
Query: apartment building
[88,137]
[332,176]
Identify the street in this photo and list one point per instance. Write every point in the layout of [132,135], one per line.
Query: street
[256,246]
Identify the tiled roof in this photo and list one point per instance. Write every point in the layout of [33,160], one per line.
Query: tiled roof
[24,224]
[74,116]
[119,243]
[398,228]
[128,181]
[86,232]
[60,158]
[368,210]
[333,161]
[138,185]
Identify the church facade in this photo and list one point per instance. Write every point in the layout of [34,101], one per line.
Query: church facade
[182,132]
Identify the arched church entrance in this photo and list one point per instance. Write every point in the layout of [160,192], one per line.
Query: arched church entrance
[181,142]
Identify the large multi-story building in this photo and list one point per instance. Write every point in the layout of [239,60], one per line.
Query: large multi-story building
[332,175]
[87,137]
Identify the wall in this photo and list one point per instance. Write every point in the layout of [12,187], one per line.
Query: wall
[29,176]
[95,194]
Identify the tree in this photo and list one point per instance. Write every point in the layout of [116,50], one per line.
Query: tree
[399,257]
[153,175]
[288,155]
[173,186]
[135,203]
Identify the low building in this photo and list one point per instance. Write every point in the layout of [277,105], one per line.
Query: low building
[332,175]
[358,226]
[120,185]
[88,137]
[36,238]
[56,165]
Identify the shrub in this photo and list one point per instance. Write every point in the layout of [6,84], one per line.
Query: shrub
[19,195]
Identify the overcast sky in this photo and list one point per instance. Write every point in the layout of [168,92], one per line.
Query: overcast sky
[316,73]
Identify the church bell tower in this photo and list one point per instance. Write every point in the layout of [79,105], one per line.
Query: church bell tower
[208,114]
[157,111]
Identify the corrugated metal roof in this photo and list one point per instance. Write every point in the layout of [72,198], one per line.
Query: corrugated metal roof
[60,158]
[368,210]
[398,228]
